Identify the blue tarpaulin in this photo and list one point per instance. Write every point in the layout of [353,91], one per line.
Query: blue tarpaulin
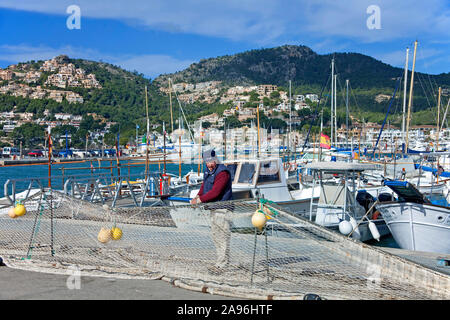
[406,192]
[434,170]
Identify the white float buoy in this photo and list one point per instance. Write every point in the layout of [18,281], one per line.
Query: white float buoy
[374,231]
[345,227]
[356,234]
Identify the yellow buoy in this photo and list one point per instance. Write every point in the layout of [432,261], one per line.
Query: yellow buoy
[12,213]
[104,235]
[259,219]
[116,233]
[20,210]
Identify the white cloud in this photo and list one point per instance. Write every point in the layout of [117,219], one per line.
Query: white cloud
[265,21]
[150,65]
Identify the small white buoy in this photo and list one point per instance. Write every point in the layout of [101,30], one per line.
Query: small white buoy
[345,227]
[374,231]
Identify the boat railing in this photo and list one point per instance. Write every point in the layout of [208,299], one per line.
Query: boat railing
[98,187]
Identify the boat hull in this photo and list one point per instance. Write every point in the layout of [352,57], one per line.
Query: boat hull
[419,227]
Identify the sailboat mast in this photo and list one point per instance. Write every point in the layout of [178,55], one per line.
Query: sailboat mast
[408,119]
[147,134]
[332,100]
[335,109]
[259,141]
[404,93]
[170,102]
[438,120]
[346,112]
[290,115]
[320,136]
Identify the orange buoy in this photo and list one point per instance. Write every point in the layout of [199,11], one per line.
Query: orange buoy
[12,213]
[104,235]
[259,219]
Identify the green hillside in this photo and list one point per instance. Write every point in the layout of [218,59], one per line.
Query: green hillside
[121,98]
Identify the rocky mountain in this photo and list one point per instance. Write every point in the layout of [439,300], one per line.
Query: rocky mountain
[299,64]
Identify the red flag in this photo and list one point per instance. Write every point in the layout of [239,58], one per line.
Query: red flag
[325,141]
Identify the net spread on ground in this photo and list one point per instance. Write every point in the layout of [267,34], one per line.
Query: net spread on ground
[288,258]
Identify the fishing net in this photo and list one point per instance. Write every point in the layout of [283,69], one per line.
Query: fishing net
[288,258]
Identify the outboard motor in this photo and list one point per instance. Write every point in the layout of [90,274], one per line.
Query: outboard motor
[365,199]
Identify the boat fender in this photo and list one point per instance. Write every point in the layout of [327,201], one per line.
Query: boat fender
[356,234]
[286,166]
[374,231]
[345,227]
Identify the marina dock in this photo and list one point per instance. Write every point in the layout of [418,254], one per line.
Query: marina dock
[158,243]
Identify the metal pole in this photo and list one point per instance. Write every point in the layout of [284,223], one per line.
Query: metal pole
[49,159]
[346,112]
[332,101]
[335,110]
[404,93]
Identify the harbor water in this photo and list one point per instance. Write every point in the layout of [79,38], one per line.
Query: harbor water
[82,168]
[127,167]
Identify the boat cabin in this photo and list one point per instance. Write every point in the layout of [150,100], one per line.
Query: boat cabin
[258,177]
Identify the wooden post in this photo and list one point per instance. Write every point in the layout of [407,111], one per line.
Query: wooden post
[49,160]
[164,142]
[359,146]
[224,143]
[199,149]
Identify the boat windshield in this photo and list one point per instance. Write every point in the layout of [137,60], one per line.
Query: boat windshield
[232,167]
[247,173]
[268,172]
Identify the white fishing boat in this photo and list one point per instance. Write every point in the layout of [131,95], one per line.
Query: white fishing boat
[414,221]
[340,206]
[252,179]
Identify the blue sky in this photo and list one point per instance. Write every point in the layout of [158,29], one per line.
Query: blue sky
[163,36]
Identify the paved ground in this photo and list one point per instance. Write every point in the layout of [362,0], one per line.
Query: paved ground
[29,285]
